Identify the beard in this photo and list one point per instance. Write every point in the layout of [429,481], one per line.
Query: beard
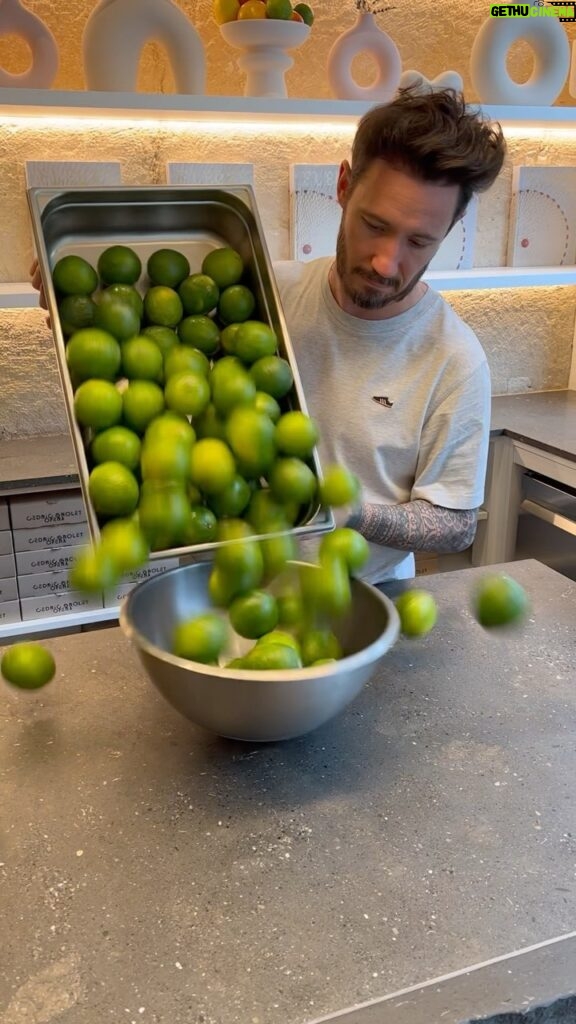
[370,296]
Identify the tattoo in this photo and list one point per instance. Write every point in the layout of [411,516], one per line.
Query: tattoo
[417,526]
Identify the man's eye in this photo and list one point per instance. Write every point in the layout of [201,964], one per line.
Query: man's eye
[377,228]
[417,243]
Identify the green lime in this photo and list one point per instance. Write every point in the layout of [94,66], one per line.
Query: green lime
[271,657]
[305,12]
[210,424]
[73,275]
[170,428]
[201,526]
[124,542]
[267,515]
[142,359]
[417,610]
[232,389]
[232,499]
[268,405]
[167,267]
[76,312]
[280,9]
[339,487]
[347,544]
[165,337]
[224,265]
[235,305]
[254,340]
[162,461]
[202,638]
[280,636]
[117,444]
[113,490]
[296,434]
[183,359]
[276,552]
[163,306]
[27,666]
[119,264]
[199,294]
[97,404]
[163,513]
[127,293]
[241,565]
[325,588]
[251,437]
[92,352]
[319,644]
[116,315]
[500,601]
[187,393]
[200,332]
[228,337]
[273,375]
[292,480]
[93,570]
[253,614]
[142,401]
[212,465]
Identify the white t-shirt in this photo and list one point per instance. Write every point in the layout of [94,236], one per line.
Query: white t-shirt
[404,402]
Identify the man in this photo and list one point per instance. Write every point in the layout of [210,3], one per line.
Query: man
[398,383]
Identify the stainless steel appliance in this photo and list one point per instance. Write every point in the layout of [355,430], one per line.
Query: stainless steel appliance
[547,523]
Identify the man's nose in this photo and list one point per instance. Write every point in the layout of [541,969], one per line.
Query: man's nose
[386,258]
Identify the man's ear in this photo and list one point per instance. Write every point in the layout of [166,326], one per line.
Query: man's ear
[343,183]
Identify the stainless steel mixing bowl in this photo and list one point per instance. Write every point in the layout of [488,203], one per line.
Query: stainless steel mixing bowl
[243,705]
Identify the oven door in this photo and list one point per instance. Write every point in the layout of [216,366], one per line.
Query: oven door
[547,524]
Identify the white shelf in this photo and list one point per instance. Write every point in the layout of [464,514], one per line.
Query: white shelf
[53,623]
[162,106]
[20,295]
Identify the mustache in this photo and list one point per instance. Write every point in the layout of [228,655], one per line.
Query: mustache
[382,282]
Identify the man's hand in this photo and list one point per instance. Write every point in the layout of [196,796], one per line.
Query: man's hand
[36,282]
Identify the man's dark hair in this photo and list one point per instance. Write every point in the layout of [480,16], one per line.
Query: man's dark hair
[434,137]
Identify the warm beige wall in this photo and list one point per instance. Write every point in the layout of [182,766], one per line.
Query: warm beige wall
[527,334]
[431,37]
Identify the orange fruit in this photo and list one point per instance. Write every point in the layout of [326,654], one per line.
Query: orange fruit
[167,267]
[224,265]
[92,352]
[119,264]
[225,10]
[73,275]
[252,9]
[113,490]
[97,404]
[28,666]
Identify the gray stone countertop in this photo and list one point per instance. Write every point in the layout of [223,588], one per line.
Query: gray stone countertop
[151,872]
[545,419]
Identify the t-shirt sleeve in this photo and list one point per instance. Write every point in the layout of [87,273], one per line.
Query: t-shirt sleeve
[453,453]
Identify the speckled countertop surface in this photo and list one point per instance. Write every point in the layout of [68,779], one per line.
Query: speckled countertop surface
[546,419]
[151,872]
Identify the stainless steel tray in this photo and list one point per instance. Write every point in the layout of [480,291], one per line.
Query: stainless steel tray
[193,219]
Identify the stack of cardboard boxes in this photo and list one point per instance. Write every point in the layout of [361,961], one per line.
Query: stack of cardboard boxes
[40,536]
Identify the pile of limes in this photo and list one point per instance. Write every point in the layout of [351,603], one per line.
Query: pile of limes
[250,10]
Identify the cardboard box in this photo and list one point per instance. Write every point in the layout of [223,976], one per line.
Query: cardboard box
[8,589]
[55,509]
[10,612]
[46,559]
[7,566]
[50,537]
[4,515]
[6,542]
[43,583]
[67,603]
[114,597]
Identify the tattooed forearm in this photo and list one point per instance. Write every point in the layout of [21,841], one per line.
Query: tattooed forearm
[417,526]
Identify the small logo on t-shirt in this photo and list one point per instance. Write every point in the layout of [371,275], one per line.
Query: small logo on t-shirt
[383,400]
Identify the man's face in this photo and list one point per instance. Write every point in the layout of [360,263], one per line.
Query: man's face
[392,225]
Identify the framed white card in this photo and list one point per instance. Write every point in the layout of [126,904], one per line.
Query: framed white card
[542,229]
[209,174]
[72,173]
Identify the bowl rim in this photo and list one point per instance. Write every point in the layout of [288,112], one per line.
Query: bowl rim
[299,29]
[385,640]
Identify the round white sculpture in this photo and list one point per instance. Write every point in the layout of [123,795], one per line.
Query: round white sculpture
[364,37]
[488,71]
[264,60]
[415,80]
[17,20]
[116,33]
